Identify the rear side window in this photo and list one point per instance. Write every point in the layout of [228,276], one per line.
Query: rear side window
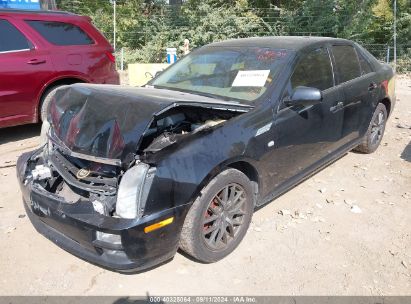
[61,33]
[314,70]
[346,60]
[365,65]
[11,39]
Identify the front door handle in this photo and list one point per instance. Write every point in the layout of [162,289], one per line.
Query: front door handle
[337,107]
[372,86]
[36,61]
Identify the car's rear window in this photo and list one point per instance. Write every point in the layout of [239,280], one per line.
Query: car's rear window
[61,33]
[11,38]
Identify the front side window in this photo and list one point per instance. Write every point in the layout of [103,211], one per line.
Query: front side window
[346,61]
[11,39]
[239,73]
[61,33]
[314,70]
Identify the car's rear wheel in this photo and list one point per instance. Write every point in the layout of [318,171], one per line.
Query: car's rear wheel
[375,132]
[219,217]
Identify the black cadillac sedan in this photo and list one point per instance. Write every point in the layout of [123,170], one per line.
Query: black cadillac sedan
[126,176]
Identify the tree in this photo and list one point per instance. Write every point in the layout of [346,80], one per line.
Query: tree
[146,27]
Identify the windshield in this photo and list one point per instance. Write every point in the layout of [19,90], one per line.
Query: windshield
[241,73]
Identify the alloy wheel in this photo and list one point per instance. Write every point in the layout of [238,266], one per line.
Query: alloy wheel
[224,217]
[377,128]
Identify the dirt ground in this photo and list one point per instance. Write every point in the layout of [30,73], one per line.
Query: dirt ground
[345,231]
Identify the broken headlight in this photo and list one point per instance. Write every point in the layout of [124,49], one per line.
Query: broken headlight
[133,191]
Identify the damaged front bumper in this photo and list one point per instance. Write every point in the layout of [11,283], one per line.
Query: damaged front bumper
[114,243]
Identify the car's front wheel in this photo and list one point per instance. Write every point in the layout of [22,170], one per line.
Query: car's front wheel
[45,101]
[375,132]
[219,217]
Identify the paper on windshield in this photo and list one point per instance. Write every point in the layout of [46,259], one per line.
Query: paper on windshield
[251,78]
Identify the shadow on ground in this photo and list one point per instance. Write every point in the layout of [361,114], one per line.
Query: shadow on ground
[19,133]
[406,154]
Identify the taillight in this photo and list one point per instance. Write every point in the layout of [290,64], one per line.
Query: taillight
[111,57]
[384,84]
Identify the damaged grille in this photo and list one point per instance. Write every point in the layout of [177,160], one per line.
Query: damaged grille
[93,183]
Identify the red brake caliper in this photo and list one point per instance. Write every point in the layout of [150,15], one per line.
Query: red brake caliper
[208,213]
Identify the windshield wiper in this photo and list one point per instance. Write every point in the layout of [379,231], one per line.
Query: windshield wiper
[196,93]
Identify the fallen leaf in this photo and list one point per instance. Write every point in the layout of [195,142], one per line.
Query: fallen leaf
[392,252]
[284,212]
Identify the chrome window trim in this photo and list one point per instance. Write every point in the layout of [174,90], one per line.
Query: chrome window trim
[14,51]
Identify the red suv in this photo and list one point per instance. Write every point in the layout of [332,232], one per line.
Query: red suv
[42,50]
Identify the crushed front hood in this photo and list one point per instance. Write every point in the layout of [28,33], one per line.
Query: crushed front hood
[108,122]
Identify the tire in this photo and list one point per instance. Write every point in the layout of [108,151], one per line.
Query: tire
[375,132]
[203,236]
[45,101]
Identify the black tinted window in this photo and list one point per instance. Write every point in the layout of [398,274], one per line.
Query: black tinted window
[314,70]
[10,38]
[60,33]
[347,63]
[365,65]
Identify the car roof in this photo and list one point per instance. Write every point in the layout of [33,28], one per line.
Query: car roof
[280,42]
[45,13]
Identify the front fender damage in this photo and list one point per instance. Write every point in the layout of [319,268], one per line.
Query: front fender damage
[96,151]
[100,186]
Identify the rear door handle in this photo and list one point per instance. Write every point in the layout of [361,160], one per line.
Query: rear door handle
[372,86]
[36,61]
[337,107]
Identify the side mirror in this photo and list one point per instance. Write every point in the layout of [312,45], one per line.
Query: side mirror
[304,96]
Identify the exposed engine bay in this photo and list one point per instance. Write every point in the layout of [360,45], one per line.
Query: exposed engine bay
[119,190]
[173,125]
